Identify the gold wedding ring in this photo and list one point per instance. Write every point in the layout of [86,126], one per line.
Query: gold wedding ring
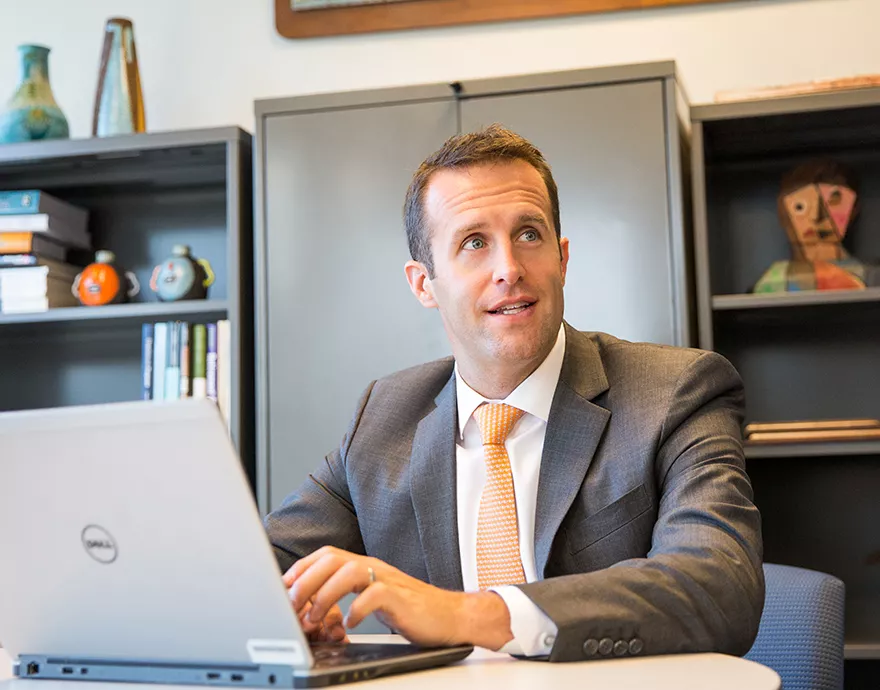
[372,574]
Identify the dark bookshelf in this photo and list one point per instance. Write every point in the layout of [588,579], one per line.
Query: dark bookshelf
[145,193]
[802,355]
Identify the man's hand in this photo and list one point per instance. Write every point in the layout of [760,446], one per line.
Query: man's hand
[426,615]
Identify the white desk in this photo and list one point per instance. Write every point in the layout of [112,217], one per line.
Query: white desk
[484,669]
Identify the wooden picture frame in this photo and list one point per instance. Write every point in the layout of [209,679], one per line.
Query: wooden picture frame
[413,14]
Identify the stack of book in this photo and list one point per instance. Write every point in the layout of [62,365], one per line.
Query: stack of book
[183,360]
[42,286]
[36,232]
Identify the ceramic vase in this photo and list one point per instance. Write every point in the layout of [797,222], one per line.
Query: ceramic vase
[119,101]
[32,112]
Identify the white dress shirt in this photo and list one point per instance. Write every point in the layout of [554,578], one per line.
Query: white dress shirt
[533,632]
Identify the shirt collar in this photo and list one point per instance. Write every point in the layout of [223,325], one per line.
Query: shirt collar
[534,395]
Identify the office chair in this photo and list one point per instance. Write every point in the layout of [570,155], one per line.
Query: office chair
[801,631]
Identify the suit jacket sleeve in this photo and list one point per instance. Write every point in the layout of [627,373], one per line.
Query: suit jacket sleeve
[321,511]
[701,586]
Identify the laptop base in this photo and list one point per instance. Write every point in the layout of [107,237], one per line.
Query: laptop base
[248,675]
[351,663]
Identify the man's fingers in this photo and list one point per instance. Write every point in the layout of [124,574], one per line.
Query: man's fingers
[376,597]
[333,617]
[350,577]
[305,563]
[311,580]
[333,626]
[307,625]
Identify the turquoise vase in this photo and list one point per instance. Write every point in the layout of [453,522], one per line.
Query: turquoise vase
[32,112]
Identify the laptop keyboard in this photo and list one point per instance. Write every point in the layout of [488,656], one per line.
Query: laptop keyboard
[329,655]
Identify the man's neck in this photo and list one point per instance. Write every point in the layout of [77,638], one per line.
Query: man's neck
[498,381]
[495,386]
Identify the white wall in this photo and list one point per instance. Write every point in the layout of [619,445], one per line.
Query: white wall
[203,62]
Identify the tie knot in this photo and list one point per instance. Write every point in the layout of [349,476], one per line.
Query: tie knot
[495,421]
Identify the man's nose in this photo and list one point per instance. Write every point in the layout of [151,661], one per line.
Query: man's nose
[507,266]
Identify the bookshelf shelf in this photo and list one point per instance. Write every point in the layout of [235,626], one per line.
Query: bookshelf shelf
[804,450]
[856,650]
[794,299]
[146,311]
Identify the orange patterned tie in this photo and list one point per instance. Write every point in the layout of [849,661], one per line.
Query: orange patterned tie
[498,555]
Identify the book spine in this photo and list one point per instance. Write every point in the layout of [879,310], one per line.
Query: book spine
[147,361]
[16,242]
[224,394]
[172,373]
[199,361]
[20,201]
[160,354]
[32,243]
[211,361]
[35,222]
[184,359]
[18,260]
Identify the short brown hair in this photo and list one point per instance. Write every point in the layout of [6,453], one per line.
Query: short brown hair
[492,144]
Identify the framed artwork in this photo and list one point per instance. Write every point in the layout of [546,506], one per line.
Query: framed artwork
[308,18]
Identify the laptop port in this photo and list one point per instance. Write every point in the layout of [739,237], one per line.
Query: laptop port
[237,677]
[33,668]
[66,670]
[272,679]
[83,671]
[213,676]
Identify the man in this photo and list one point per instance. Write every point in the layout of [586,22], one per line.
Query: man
[545,492]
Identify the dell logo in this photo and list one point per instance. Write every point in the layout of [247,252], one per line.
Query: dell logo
[99,544]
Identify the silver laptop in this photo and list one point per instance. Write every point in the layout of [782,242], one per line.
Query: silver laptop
[132,550]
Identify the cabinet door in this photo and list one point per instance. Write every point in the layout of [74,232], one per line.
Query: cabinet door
[339,310]
[606,146]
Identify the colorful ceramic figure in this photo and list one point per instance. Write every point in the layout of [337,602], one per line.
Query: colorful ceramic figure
[181,276]
[817,204]
[32,112]
[103,283]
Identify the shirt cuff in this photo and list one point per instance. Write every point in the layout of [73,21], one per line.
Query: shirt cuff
[533,631]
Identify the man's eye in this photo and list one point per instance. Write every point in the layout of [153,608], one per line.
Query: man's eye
[474,243]
[530,235]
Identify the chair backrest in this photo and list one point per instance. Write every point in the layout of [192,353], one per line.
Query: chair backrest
[801,631]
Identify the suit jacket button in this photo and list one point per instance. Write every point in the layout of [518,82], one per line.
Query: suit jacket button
[606,645]
[636,646]
[621,648]
[591,646]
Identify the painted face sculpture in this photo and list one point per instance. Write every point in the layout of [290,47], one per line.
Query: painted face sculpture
[817,204]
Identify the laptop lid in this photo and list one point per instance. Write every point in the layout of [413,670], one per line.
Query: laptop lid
[128,532]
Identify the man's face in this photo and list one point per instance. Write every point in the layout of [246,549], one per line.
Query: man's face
[498,267]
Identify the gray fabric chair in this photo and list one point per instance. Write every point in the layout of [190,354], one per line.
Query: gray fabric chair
[801,632]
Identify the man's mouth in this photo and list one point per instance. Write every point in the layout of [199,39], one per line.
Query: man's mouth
[511,309]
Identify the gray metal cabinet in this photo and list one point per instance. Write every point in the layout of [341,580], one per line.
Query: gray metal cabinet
[333,308]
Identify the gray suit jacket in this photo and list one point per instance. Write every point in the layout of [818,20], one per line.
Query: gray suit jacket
[646,537]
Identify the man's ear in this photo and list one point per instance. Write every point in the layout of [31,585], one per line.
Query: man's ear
[420,283]
[563,255]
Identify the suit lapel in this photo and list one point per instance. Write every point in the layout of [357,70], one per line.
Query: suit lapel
[574,429]
[433,487]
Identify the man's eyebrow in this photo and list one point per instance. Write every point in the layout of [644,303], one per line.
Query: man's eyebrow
[471,227]
[524,219]
[533,218]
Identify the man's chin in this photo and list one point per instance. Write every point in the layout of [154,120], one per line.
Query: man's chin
[516,351]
